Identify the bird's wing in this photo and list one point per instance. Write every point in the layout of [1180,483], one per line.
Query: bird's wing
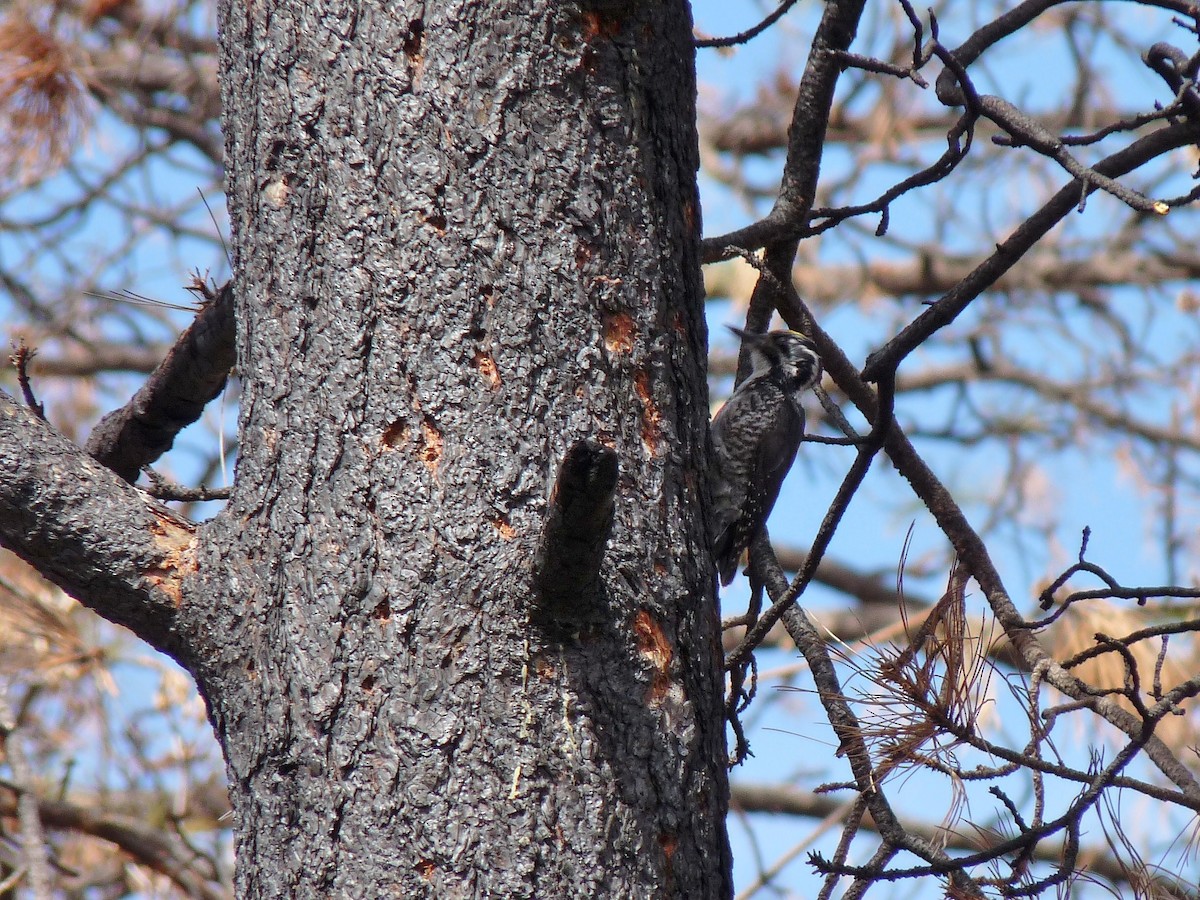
[776,453]
[757,439]
[734,434]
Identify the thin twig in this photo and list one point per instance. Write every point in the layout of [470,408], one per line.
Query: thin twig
[20,358]
[162,489]
[749,33]
[33,842]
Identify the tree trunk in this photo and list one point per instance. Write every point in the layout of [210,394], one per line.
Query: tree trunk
[466,237]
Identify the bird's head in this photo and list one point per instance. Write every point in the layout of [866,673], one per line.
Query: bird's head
[788,355]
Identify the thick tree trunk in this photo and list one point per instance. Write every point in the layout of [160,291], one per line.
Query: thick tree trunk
[466,237]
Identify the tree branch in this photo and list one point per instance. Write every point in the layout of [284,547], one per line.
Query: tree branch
[806,138]
[848,729]
[100,539]
[146,846]
[974,555]
[1011,251]
[175,394]
[33,841]
[758,126]
[95,358]
[787,800]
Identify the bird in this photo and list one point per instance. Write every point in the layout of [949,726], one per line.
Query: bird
[755,438]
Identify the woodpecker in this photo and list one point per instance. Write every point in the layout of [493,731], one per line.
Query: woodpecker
[755,438]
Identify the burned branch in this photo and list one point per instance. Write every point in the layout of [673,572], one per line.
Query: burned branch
[174,396]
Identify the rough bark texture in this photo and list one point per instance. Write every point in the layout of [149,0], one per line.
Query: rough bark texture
[466,236]
[173,397]
[99,538]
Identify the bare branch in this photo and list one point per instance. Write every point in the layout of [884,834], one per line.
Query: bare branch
[806,137]
[974,555]
[97,537]
[749,33]
[33,842]
[850,736]
[174,396]
[20,359]
[1010,251]
[147,846]
[786,800]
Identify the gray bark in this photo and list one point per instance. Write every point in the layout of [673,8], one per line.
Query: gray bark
[99,538]
[174,396]
[465,238]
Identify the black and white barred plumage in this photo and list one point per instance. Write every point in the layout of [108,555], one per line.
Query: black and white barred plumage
[755,438]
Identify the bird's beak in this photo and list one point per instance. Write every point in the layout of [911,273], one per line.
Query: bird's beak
[751,336]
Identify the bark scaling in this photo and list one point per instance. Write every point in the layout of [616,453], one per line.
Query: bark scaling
[466,239]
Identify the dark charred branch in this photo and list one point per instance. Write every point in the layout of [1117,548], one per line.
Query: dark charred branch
[101,540]
[975,557]
[750,33]
[1011,250]
[805,142]
[784,800]
[845,723]
[192,375]
[567,584]
[161,489]
[20,359]
[1173,66]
